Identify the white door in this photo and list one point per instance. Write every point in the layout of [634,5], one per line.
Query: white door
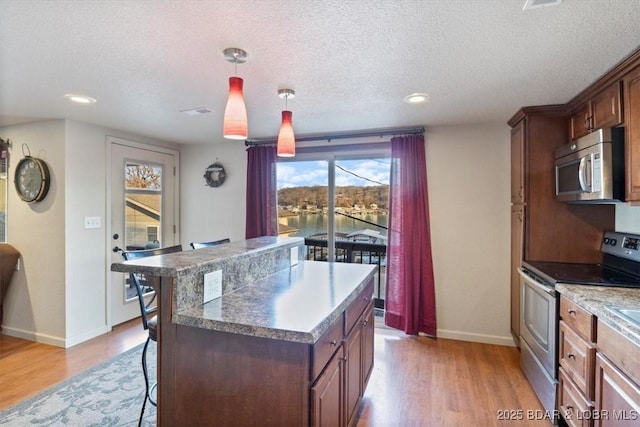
[143,212]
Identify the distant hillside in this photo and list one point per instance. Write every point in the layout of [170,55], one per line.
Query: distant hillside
[346,197]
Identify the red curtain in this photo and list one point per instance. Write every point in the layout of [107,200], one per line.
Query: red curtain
[410,303]
[262,209]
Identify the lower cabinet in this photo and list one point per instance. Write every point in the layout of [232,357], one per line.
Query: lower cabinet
[617,399]
[338,391]
[327,399]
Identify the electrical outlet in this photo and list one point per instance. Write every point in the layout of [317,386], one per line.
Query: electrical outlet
[294,256]
[212,285]
[92,222]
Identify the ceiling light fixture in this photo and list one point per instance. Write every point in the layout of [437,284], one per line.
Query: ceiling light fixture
[286,137]
[80,99]
[416,98]
[235,113]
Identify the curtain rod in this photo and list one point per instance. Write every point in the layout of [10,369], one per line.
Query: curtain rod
[344,135]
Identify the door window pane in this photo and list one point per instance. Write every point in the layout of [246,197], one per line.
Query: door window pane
[143,211]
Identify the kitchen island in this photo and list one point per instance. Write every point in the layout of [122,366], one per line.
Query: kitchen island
[289,342]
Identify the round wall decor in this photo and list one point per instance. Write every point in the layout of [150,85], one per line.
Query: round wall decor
[214,175]
[32,179]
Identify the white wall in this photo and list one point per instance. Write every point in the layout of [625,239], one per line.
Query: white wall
[34,307]
[210,213]
[59,296]
[628,218]
[468,170]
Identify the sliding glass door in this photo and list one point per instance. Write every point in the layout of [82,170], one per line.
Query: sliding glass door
[339,204]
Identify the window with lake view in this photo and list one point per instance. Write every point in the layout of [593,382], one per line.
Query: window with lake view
[349,196]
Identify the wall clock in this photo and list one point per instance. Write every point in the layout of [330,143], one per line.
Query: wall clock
[32,179]
[214,175]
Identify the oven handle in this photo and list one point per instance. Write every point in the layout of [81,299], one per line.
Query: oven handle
[544,288]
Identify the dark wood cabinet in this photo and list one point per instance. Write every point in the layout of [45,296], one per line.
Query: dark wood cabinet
[327,398]
[554,231]
[517,229]
[358,356]
[543,229]
[617,386]
[631,84]
[603,110]
[517,162]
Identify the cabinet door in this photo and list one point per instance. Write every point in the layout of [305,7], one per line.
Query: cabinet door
[517,245]
[632,133]
[353,371]
[580,125]
[326,395]
[517,162]
[606,108]
[617,395]
[368,332]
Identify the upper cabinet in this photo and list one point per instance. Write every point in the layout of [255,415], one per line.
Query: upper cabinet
[517,162]
[631,82]
[603,110]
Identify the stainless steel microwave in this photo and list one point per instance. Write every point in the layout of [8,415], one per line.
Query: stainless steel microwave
[591,168]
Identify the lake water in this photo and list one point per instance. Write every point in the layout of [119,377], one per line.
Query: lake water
[318,223]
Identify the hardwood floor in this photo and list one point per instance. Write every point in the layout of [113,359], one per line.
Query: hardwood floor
[417,381]
[420,381]
[27,367]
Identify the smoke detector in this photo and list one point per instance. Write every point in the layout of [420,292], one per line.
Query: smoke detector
[537,4]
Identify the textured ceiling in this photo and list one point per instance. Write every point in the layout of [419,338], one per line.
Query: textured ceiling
[350,62]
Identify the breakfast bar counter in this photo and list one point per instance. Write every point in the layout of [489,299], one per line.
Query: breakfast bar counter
[289,342]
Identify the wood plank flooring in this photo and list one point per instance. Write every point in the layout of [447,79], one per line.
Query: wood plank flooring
[27,367]
[417,381]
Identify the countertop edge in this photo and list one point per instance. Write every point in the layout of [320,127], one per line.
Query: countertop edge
[595,299]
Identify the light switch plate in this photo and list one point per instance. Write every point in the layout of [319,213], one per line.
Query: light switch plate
[294,256]
[92,222]
[212,285]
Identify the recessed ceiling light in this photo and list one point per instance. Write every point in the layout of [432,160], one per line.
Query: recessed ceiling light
[80,99]
[197,111]
[416,98]
[536,4]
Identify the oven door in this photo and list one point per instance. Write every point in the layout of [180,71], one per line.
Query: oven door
[539,321]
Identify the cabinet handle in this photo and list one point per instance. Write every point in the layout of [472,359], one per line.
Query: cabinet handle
[334,343]
[570,311]
[571,356]
[365,322]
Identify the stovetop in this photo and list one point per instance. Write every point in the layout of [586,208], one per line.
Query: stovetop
[620,266]
[586,274]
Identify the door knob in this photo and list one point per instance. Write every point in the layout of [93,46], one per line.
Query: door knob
[117,249]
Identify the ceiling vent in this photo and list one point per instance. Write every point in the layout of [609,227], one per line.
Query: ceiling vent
[197,111]
[536,4]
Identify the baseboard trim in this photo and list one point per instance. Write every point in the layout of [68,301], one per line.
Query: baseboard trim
[33,336]
[479,338]
[70,342]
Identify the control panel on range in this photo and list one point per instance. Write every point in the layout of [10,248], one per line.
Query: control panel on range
[624,245]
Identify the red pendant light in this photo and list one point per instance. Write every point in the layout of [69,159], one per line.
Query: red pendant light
[286,137]
[235,113]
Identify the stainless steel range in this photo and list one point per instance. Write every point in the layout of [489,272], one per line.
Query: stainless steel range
[540,304]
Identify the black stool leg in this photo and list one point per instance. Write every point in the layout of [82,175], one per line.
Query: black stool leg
[146,379]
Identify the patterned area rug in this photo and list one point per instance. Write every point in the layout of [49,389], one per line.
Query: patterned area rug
[110,394]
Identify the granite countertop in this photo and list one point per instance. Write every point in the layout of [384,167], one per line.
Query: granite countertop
[595,299]
[297,304]
[185,262]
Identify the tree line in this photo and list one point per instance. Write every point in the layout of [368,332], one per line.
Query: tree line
[346,196]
